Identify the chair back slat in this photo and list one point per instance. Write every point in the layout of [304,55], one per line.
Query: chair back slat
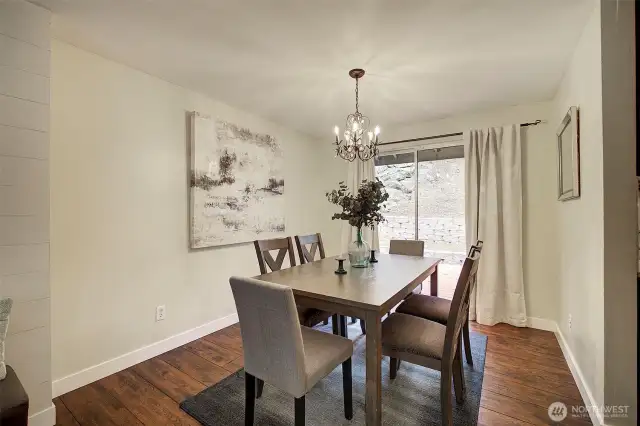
[460,305]
[271,334]
[407,247]
[314,242]
[284,246]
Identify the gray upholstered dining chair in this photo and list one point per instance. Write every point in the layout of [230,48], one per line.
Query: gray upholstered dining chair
[431,344]
[281,352]
[437,309]
[408,248]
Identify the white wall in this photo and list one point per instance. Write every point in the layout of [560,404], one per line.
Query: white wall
[540,192]
[119,210]
[580,233]
[24,197]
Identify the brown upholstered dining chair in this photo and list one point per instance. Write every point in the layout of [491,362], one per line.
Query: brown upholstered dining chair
[437,309]
[431,344]
[281,352]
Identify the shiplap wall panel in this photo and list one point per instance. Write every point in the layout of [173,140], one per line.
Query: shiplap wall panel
[24,194]
[18,202]
[24,114]
[26,22]
[20,55]
[16,142]
[23,85]
[25,287]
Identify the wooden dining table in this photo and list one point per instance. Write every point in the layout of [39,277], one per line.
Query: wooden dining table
[366,293]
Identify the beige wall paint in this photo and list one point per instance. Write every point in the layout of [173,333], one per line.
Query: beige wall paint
[620,208]
[24,196]
[540,260]
[580,236]
[119,210]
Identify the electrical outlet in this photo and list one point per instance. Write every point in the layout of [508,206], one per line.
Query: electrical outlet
[569,322]
[161,312]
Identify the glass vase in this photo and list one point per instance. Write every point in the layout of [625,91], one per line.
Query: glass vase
[359,252]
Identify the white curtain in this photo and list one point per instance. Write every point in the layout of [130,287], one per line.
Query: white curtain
[357,172]
[493,164]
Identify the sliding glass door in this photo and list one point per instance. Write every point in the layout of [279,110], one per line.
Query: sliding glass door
[426,202]
[426,199]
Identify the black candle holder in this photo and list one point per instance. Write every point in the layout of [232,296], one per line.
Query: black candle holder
[341,270]
[373,259]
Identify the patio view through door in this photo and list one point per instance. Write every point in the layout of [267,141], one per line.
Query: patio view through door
[426,202]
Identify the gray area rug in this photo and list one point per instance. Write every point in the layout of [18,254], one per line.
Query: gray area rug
[413,398]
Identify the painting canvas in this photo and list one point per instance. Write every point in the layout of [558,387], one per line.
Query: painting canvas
[237,184]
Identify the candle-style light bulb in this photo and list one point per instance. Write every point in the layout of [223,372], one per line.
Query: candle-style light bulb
[370,136]
[377,130]
[355,126]
[336,130]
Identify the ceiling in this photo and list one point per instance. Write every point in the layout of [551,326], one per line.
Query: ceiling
[288,60]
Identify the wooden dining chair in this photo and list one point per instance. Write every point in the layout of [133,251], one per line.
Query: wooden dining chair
[437,309]
[281,352]
[308,246]
[431,344]
[408,248]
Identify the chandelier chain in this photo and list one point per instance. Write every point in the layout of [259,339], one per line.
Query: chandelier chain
[357,95]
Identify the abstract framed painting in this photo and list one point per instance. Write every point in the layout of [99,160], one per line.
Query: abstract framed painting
[236,184]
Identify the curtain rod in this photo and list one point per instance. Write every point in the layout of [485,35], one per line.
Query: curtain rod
[446,135]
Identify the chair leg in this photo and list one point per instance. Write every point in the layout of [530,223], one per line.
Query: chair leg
[335,325]
[458,376]
[363,327]
[260,384]
[249,398]
[353,320]
[467,341]
[299,411]
[347,389]
[343,326]
[445,396]
[394,367]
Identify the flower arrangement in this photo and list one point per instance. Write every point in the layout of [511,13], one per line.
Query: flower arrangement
[360,209]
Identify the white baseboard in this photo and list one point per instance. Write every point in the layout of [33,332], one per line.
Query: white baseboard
[106,368]
[542,324]
[46,417]
[585,392]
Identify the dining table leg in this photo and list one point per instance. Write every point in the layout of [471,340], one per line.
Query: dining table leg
[434,282]
[373,405]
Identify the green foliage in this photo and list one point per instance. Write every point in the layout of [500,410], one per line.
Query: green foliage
[363,208]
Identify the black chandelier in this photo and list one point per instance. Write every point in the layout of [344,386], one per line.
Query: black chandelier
[356,127]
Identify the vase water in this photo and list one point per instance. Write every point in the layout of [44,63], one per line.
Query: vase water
[359,252]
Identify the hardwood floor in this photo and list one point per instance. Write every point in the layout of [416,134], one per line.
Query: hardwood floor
[524,373]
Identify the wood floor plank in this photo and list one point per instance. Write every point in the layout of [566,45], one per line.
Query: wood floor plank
[147,403]
[558,370]
[491,418]
[168,379]
[63,415]
[537,379]
[216,354]
[235,365]
[520,410]
[195,366]
[226,340]
[94,405]
[517,389]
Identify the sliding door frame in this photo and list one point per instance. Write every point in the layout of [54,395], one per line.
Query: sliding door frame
[414,147]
